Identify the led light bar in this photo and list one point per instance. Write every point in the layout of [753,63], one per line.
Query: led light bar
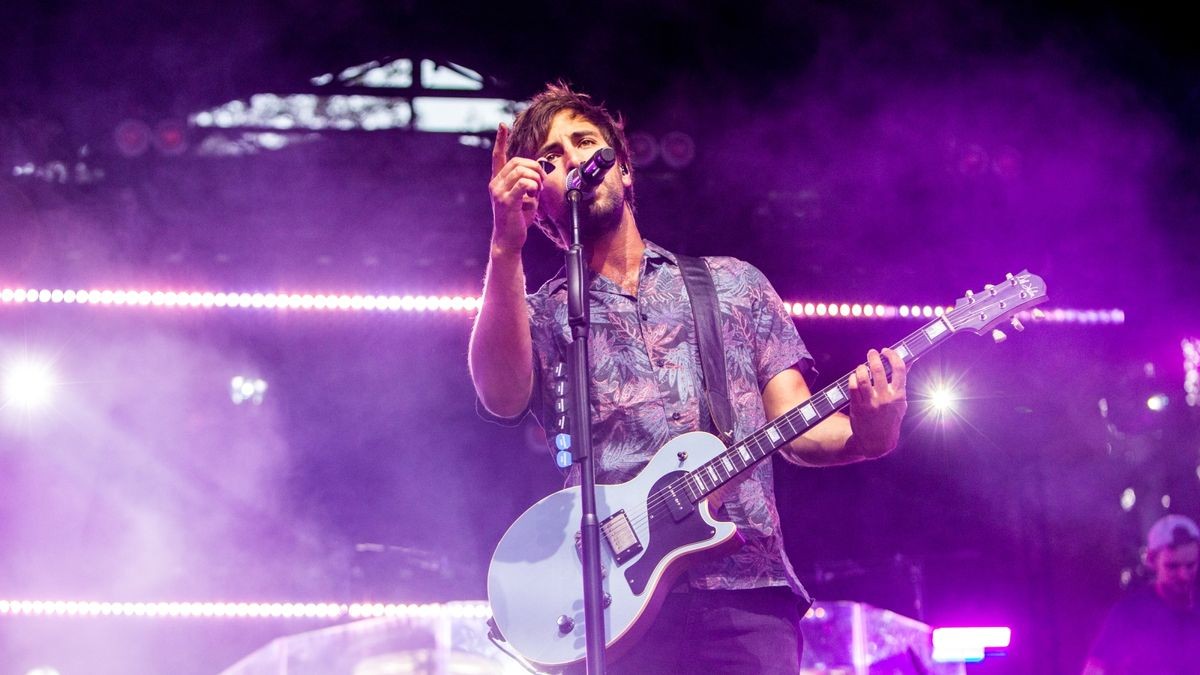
[821,310]
[968,645]
[206,300]
[457,304]
[1191,370]
[242,610]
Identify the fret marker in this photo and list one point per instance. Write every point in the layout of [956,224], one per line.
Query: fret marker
[744,453]
[903,353]
[700,480]
[773,434]
[728,465]
[935,329]
[712,472]
[808,412]
[835,396]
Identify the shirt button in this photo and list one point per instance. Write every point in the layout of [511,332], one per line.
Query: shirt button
[644,317]
[676,416]
[659,362]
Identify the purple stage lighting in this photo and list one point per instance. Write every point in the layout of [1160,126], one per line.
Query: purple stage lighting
[240,610]
[1191,371]
[968,645]
[28,384]
[942,400]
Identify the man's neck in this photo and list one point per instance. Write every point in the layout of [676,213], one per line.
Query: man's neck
[617,254]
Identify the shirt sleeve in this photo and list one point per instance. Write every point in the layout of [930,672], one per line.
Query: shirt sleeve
[778,344]
[534,405]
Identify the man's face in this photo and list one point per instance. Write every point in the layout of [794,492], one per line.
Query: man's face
[1175,573]
[570,141]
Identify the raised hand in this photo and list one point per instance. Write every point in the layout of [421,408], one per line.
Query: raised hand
[515,188]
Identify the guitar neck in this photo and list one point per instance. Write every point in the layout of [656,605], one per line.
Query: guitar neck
[777,433]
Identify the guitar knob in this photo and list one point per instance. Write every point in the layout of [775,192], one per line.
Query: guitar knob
[681,455]
[1016,323]
[607,600]
[999,336]
[565,624]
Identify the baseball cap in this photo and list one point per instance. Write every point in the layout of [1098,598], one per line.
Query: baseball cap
[1171,530]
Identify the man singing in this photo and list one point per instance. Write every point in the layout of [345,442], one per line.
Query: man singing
[740,613]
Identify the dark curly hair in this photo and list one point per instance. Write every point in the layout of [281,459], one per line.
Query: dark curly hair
[530,127]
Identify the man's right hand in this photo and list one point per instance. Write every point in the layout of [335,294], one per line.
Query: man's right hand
[515,188]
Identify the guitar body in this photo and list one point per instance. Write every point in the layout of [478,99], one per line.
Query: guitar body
[535,578]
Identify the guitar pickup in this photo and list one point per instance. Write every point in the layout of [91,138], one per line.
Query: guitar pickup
[680,508]
[621,537]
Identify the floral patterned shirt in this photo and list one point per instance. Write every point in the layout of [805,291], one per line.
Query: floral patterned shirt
[648,388]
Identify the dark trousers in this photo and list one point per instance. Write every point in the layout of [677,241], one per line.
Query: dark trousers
[716,632]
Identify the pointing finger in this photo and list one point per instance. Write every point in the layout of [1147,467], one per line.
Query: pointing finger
[499,148]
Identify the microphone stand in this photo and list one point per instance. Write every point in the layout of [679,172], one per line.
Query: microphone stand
[579,321]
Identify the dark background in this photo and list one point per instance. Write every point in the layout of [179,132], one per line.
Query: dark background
[864,152]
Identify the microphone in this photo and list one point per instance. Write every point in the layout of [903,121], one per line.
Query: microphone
[588,177]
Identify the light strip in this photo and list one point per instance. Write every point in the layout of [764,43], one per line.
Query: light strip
[825,310]
[1191,370]
[456,304]
[220,300]
[968,645]
[242,610]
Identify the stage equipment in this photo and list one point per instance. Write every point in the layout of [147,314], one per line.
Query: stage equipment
[658,523]
[592,630]
[839,637]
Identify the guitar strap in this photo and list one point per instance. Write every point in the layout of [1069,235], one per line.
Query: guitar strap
[706,313]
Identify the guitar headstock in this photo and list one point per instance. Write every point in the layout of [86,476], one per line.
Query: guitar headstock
[981,311]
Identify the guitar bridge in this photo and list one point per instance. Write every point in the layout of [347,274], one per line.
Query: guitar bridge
[621,537]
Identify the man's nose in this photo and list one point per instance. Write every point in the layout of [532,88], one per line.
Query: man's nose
[573,157]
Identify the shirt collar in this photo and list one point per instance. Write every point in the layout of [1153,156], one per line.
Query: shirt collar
[652,253]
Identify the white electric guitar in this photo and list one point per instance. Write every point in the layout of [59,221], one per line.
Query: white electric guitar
[657,524]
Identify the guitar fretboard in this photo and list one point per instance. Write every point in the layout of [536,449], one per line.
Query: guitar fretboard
[795,422]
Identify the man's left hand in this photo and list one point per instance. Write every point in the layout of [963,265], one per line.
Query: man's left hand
[877,404]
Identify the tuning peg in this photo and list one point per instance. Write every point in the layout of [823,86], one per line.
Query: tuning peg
[1016,323]
[1008,277]
[999,336]
[1038,314]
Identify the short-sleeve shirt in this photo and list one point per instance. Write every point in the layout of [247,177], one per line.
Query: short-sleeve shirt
[648,388]
[1142,635]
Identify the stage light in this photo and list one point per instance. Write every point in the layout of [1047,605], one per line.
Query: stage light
[443,303]
[242,389]
[42,670]
[170,137]
[28,384]
[678,149]
[1128,499]
[1191,371]
[643,148]
[968,645]
[1158,402]
[942,400]
[241,610]
[132,137]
